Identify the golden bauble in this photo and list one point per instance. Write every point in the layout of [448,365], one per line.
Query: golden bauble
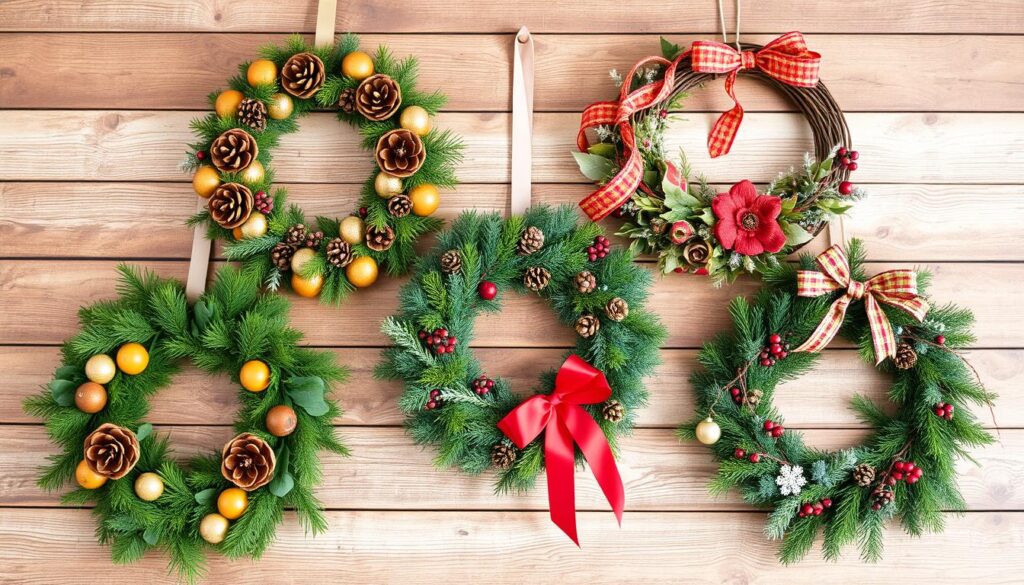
[255,376]
[357,65]
[132,358]
[100,368]
[227,103]
[362,271]
[205,181]
[281,420]
[352,229]
[281,106]
[232,502]
[149,486]
[708,431]
[261,72]
[213,528]
[387,185]
[253,174]
[415,119]
[307,287]
[90,397]
[300,258]
[87,478]
[254,227]
[425,199]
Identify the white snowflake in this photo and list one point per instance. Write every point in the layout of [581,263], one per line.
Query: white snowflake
[790,480]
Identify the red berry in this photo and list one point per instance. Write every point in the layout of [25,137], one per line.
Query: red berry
[735,391]
[363,211]
[852,166]
[912,480]
[827,503]
[818,509]
[678,270]
[876,506]
[200,155]
[769,425]
[918,472]
[891,481]
[591,250]
[899,466]
[764,354]
[755,457]
[842,151]
[766,362]
[845,161]
[940,339]
[845,188]
[775,338]
[939,411]
[431,405]
[776,349]
[442,332]
[740,453]
[783,355]
[854,155]
[487,290]
[593,257]
[422,334]
[807,509]
[897,475]
[777,432]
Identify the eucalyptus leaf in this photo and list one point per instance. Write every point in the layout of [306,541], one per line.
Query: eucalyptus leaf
[283,481]
[144,431]
[206,496]
[67,373]
[152,534]
[676,196]
[593,166]
[63,392]
[605,149]
[308,393]
[795,235]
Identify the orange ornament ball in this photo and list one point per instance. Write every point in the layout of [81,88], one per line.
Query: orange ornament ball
[425,199]
[307,287]
[357,65]
[232,503]
[255,376]
[227,103]
[261,72]
[90,397]
[281,421]
[87,478]
[132,358]
[362,272]
[205,181]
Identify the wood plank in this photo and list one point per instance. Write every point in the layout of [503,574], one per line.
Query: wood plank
[197,398]
[148,146]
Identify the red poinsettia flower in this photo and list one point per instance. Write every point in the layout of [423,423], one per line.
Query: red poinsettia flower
[748,222]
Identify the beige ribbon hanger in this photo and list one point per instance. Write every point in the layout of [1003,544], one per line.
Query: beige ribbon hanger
[326,11]
[522,120]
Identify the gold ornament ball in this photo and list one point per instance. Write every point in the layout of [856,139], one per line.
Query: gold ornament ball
[100,368]
[132,358]
[255,376]
[149,486]
[425,199]
[90,397]
[213,528]
[302,257]
[416,120]
[307,288]
[254,227]
[261,72]
[281,106]
[232,503]
[87,478]
[362,272]
[708,431]
[227,103]
[387,185]
[205,181]
[281,420]
[352,229]
[253,174]
[357,65]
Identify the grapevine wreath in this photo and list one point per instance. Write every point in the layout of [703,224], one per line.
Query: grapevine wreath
[233,498]
[378,95]
[905,469]
[476,421]
[688,225]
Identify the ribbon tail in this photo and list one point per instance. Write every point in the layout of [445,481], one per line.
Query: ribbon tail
[598,453]
[828,328]
[723,133]
[559,461]
[882,337]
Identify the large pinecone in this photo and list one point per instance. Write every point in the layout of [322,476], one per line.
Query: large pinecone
[347,100]
[111,451]
[233,151]
[864,474]
[248,462]
[281,256]
[613,411]
[503,456]
[230,205]
[339,253]
[302,75]
[378,97]
[586,282]
[451,262]
[906,357]
[587,325]
[400,152]
[379,239]
[400,206]
[536,278]
[531,241]
[617,309]
[296,235]
[253,113]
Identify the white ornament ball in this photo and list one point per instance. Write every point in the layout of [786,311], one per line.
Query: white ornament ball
[708,431]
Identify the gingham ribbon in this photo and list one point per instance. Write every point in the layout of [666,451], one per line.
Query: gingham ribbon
[786,59]
[896,288]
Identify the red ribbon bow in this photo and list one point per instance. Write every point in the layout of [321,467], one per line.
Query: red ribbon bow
[565,422]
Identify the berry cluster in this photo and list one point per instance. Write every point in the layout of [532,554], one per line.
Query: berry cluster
[816,508]
[435,400]
[774,351]
[848,160]
[264,203]
[599,249]
[737,395]
[944,410]
[774,429]
[439,341]
[741,454]
[904,471]
[483,385]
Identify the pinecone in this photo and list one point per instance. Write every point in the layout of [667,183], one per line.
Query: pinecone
[399,206]
[281,256]
[233,151]
[230,205]
[587,325]
[753,398]
[613,411]
[451,262]
[379,240]
[296,235]
[263,202]
[347,101]
[339,253]
[248,462]
[378,97]
[253,113]
[302,75]
[111,451]
[864,475]
[617,309]
[658,226]
[882,497]
[586,282]
[400,152]
[313,240]
[536,278]
[503,456]
[531,241]
[906,357]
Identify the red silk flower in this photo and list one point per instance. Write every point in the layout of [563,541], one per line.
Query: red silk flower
[748,222]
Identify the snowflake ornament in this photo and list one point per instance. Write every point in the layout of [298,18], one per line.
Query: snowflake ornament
[790,480]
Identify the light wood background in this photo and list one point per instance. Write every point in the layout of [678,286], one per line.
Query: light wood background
[96,96]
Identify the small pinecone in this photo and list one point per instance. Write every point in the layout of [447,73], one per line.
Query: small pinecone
[753,398]
[378,97]
[264,202]
[248,462]
[296,235]
[864,474]
[230,205]
[883,498]
[587,325]
[586,282]
[313,240]
[400,152]
[906,357]
[347,101]
[617,309]
[658,226]
[111,451]
[399,206]
[302,75]
[613,411]
[281,256]
[233,151]
[503,456]
[451,262]
[536,278]
[531,241]
[253,113]
[339,253]
[379,240]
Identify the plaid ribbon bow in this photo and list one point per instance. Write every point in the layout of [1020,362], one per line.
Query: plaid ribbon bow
[896,288]
[786,59]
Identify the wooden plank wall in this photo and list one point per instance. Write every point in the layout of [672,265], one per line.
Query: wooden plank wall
[95,99]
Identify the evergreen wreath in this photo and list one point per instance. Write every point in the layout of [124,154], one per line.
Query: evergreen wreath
[904,470]
[144,499]
[378,96]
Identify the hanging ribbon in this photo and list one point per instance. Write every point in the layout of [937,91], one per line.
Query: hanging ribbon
[896,288]
[522,120]
[564,421]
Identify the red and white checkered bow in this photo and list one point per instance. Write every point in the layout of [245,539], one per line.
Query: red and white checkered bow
[897,288]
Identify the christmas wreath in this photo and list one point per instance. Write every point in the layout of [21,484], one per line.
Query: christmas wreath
[476,421]
[905,469]
[688,225]
[378,95]
[233,498]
